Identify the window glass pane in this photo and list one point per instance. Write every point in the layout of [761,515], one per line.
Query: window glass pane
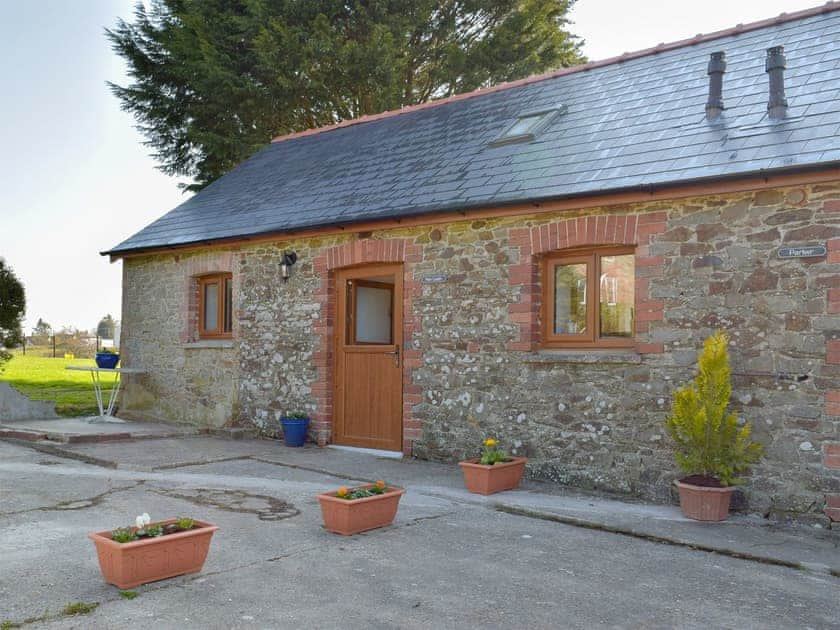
[228,305]
[617,295]
[211,306]
[570,299]
[373,315]
[523,125]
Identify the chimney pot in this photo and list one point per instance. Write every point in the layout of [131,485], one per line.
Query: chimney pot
[717,67]
[775,65]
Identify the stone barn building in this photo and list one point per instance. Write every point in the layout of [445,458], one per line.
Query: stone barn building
[539,261]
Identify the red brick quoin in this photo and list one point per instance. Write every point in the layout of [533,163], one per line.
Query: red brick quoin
[608,229]
[398,250]
[831,460]
[832,507]
[833,251]
[832,402]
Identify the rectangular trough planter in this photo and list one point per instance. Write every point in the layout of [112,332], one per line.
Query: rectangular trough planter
[348,517]
[484,479]
[126,565]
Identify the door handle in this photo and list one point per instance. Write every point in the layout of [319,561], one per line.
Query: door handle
[396,354]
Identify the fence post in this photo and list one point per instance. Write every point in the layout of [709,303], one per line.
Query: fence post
[53,345]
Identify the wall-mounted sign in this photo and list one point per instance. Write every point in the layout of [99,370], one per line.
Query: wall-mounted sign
[435,278]
[809,251]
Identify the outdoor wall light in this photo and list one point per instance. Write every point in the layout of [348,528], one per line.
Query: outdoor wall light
[289,259]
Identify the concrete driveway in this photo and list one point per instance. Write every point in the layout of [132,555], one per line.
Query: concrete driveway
[450,560]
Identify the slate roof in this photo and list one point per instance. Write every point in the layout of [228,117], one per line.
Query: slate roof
[636,121]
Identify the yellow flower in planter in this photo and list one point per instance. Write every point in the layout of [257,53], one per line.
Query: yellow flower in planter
[491,455]
[362,492]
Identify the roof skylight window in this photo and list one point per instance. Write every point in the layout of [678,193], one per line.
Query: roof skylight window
[528,126]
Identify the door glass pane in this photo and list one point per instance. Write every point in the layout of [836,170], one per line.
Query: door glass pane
[211,306]
[570,299]
[617,295]
[373,314]
[228,305]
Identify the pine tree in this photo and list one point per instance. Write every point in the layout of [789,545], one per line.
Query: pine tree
[708,439]
[214,80]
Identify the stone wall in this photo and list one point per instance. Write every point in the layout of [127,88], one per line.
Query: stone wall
[186,380]
[278,345]
[473,362]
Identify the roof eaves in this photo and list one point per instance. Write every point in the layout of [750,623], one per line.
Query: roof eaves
[765,174]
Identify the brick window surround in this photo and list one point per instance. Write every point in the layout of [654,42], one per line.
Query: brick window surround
[590,337]
[224,310]
[195,268]
[359,252]
[533,243]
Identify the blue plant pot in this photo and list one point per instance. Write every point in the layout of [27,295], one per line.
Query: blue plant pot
[107,360]
[294,430]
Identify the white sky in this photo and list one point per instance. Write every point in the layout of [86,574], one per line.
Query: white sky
[75,178]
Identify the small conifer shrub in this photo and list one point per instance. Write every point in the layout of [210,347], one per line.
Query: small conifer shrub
[709,441]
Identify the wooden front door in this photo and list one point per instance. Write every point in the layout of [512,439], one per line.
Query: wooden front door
[368,397]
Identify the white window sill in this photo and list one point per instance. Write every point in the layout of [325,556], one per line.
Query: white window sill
[591,356]
[216,344]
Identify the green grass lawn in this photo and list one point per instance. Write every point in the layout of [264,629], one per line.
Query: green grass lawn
[43,378]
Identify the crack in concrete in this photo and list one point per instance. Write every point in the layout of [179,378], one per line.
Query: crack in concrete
[104,463]
[235,501]
[261,460]
[421,519]
[70,610]
[77,504]
[320,471]
[57,451]
[201,462]
[611,529]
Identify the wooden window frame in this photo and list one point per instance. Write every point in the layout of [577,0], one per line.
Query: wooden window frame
[591,256]
[221,279]
[352,288]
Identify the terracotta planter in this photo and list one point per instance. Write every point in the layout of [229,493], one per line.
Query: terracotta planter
[483,479]
[703,503]
[126,565]
[348,517]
